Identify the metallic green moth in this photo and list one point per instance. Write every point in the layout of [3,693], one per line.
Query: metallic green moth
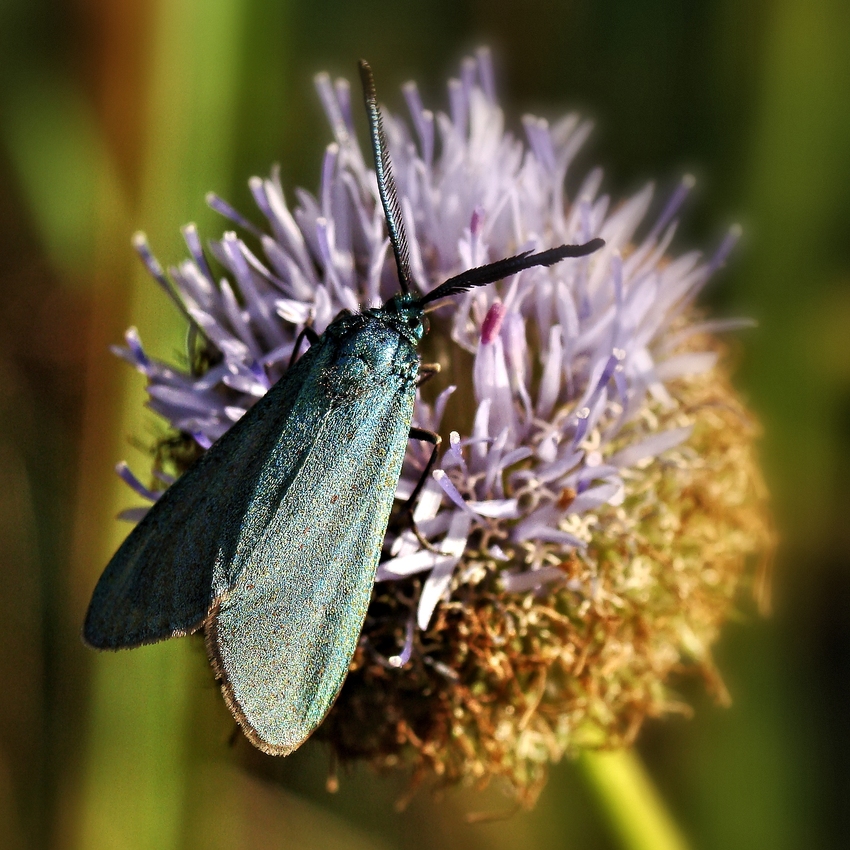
[270,542]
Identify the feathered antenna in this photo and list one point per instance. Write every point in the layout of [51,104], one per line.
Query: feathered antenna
[482,275]
[386,182]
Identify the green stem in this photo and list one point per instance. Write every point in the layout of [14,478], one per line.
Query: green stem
[632,806]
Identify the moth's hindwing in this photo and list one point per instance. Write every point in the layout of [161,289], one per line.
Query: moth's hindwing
[282,639]
[166,575]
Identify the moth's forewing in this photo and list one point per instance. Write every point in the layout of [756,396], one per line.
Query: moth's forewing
[181,557]
[283,637]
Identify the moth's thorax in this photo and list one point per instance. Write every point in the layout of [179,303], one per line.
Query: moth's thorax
[369,347]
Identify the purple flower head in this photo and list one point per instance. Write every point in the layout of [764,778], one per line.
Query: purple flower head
[578,397]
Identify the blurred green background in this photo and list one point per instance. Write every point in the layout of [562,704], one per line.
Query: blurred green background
[121,115]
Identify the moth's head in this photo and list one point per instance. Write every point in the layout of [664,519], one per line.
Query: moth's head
[404,312]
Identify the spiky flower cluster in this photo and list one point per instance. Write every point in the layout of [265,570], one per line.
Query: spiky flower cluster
[588,533]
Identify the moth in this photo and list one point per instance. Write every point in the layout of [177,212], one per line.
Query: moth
[269,543]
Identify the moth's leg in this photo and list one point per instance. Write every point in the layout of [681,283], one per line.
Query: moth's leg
[423,541]
[311,336]
[234,735]
[434,439]
[426,372]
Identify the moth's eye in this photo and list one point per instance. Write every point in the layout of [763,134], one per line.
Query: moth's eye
[413,322]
